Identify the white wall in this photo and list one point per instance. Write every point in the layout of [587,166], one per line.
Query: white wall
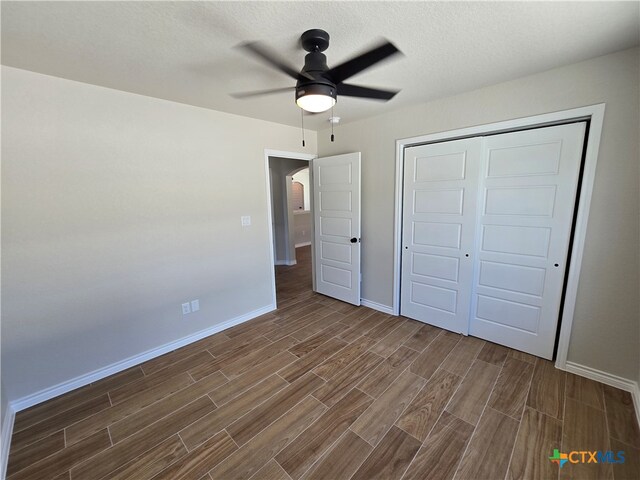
[302,227]
[606,328]
[116,208]
[303,177]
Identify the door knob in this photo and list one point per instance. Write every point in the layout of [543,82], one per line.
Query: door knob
[354,240]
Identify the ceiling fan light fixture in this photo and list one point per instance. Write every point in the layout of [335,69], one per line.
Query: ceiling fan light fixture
[316,98]
[316,103]
[317,85]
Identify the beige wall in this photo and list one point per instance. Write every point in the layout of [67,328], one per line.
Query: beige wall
[4,405]
[116,208]
[606,328]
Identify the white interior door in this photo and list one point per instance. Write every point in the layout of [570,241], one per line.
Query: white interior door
[336,213]
[527,196]
[438,233]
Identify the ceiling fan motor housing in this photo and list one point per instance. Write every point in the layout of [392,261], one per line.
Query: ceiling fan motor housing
[316,88]
[315,64]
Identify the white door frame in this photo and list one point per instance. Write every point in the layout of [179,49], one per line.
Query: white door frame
[296,156]
[593,113]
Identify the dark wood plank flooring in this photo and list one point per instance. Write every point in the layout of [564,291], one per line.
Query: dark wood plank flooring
[319,389]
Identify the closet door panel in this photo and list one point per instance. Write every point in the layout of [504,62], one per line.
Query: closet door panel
[439,216]
[528,186]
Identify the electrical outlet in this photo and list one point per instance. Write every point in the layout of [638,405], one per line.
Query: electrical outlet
[245,220]
[195,305]
[186,308]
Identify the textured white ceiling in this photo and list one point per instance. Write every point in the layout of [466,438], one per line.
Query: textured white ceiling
[183,51]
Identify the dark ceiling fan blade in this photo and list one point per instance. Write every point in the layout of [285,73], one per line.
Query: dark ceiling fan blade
[256,93]
[361,62]
[365,92]
[264,53]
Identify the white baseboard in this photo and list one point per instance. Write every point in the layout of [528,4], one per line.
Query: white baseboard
[288,263]
[608,379]
[5,439]
[376,306]
[303,244]
[82,380]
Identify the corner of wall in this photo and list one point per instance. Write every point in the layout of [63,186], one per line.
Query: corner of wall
[636,402]
[630,386]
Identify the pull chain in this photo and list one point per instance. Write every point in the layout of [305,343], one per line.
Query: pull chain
[332,118]
[302,122]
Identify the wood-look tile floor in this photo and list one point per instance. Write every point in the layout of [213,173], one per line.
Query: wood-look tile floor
[323,390]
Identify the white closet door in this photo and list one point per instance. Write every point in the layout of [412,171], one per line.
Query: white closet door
[527,196]
[440,189]
[336,214]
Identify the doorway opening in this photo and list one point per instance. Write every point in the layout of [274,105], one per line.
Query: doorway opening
[291,226]
[335,229]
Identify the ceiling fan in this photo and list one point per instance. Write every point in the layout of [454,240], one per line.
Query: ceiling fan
[318,86]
